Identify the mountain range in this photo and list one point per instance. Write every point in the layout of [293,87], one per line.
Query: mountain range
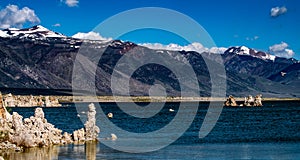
[41,61]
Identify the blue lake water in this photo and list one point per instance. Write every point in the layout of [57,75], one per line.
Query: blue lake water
[268,132]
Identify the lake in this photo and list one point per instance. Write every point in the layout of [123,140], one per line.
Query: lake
[268,132]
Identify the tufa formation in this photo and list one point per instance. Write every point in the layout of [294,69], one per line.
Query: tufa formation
[17,133]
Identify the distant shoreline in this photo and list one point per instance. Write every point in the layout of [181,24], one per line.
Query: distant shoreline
[66,96]
[82,99]
[93,99]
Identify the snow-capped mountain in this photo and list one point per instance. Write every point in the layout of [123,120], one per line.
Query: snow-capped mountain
[41,33]
[42,59]
[243,50]
[35,32]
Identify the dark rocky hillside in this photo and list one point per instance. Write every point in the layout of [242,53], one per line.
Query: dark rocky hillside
[43,60]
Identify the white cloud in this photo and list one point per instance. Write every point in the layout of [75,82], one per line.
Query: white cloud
[252,38]
[198,47]
[281,50]
[12,16]
[90,36]
[71,3]
[277,11]
[56,25]
[217,50]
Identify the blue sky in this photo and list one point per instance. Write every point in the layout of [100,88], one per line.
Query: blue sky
[229,23]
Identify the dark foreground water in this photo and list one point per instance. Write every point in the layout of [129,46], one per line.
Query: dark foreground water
[269,132]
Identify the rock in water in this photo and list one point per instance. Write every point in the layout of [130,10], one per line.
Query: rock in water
[36,131]
[113,137]
[257,100]
[230,101]
[2,108]
[17,122]
[38,113]
[66,139]
[110,115]
[249,101]
[91,129]
[78,135]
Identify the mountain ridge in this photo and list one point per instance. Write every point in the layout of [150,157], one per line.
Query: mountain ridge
[31,59]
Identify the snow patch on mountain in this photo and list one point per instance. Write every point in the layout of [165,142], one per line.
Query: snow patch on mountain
[243,50]
[3,34]
[35,32]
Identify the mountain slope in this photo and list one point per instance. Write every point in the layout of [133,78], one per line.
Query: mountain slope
[42,59]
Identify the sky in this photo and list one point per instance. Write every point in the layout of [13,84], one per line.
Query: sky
[267,25]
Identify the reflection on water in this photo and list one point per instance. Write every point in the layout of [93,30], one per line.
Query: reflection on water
[46,153]
[86,151]
[83,151]
[90,150]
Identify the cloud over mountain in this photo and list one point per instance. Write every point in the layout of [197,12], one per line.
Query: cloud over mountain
[90,36]
[191,47]
[12,16]
[277,11]
[281,50]
[198,47]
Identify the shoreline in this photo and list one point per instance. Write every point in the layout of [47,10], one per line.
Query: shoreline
[57,100]
[89,99]
[83,99]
